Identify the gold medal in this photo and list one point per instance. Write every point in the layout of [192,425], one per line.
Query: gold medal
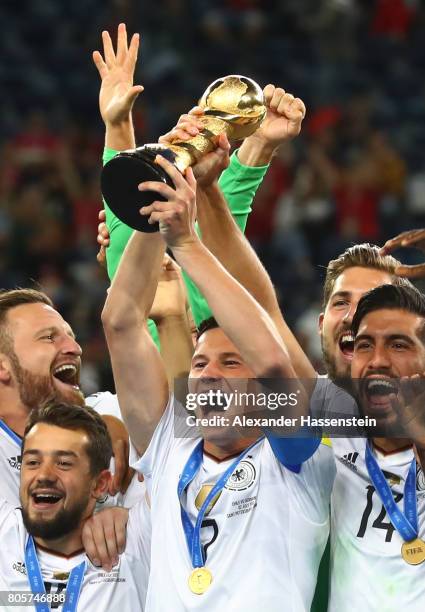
[199,580]
[413,552]
[202,496]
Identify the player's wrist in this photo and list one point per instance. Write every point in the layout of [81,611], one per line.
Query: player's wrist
[185,246]
[257,151]
[119,136]
[122,122]
[209,186]
[170,318]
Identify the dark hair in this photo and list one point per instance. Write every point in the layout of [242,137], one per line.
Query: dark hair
[69,416]
[362,256]
[392,297]
[11,299]
[205,326]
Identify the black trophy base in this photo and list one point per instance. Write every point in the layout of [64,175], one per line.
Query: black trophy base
[121,177]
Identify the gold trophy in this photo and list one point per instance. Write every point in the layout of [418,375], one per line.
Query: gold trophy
[233,105]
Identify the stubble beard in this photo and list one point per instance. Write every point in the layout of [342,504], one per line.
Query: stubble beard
[36,390]
[330,347]
[340,378]
[66,521]
[329,359]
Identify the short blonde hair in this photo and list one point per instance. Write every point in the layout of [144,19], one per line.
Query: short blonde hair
[363,256]
[11,299]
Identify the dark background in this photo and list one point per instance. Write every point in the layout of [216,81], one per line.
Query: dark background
[356,174]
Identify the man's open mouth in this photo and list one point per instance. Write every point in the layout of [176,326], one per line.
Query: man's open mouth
[380,387]
[46,498]
[377,391]
[346,344]
[209,408]
[68,374]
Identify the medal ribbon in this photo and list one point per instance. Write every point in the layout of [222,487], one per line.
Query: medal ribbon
[407,523]
[193,533]
[35,579]
[10,433]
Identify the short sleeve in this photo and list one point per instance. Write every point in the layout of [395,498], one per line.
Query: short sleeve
[316,476]
[105,403]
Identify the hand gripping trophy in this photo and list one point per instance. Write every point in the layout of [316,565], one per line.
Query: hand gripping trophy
[233,105]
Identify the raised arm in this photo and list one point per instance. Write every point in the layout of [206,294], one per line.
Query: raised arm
[242,319]
[138,370]
[225,240]
[239,181]
[116,99]
[117,96]
[285,114]
[169,312]
[411,239]
[249,164]
[117,93]
[408,406]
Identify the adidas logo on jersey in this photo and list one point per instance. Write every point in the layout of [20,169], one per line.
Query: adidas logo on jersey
[20,567]
[349,460]
[15,462]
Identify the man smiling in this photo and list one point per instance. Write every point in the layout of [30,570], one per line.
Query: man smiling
[217,498]
[44,356]
[66,455]
[348,278]
[39,361]
[378,501]
[389,333]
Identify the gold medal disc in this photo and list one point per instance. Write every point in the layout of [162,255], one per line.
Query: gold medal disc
[413,552]
[199,580]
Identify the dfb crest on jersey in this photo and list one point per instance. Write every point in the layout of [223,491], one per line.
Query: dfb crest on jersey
[242,477]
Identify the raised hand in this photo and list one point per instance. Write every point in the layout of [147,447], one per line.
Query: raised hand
[408,406]
[188,126]
[285,114]
[414,239]
[103,238]
[117,92]
[209,168]
[170,297]
[176,215]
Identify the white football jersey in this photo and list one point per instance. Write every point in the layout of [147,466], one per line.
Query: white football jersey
[10,464]
[104,402]
[121,590]
[263,537]
[367,570]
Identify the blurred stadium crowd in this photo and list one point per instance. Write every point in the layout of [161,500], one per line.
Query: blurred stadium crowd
[357,173]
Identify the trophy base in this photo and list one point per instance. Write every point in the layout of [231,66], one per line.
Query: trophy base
[120,179]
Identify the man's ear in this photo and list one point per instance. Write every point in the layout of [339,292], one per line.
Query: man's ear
[101,484]
[5,368]
[320,322]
